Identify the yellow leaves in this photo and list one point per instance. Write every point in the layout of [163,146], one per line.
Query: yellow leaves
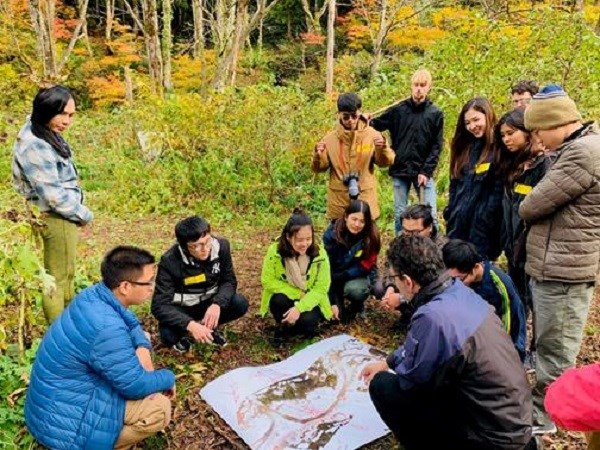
[450,18]
[106,91]
[416,37]
[191,371]
[591,14]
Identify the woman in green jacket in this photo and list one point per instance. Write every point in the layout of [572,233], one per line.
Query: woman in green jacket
[295,278]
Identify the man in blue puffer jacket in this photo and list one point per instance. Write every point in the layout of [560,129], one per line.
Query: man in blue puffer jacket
[93,385]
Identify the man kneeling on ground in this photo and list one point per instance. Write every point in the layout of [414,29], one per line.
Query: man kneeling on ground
[196,287]
[457,381]
[93,384]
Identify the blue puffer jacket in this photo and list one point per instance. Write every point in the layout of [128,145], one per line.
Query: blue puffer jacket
[85,370]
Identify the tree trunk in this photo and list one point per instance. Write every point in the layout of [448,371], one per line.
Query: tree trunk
[227,61]
[240,25]
[128,85]
[313,17]
[42,19]
[83,4]
[198,14]
[330,46]
[155,63]
[167,44]
[378,45]
[110,17]
[598,26]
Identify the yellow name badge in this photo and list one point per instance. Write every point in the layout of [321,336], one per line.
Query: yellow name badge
[522,189]
[364,148]
[482,168]
[358,254]
[194,280]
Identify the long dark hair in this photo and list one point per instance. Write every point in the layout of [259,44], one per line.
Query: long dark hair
[47,104]
[463,139]
[297,220]
[510,164]
[369,234]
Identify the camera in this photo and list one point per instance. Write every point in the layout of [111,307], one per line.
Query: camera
[352,182]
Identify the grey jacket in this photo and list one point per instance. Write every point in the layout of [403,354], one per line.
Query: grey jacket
[564,212]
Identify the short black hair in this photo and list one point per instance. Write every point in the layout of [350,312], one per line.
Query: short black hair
[349,102]
[297,220]
[424,212]
[523,86]
[124,263]
[461,255]
[417,257]
[191,229]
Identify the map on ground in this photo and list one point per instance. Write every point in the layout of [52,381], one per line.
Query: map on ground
[312,400]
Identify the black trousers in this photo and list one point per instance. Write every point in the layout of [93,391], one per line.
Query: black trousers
[419,422]
[521,281]
[237,308]
[308,322]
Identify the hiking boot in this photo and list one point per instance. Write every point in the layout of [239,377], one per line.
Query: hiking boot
[183,346]
[529,362]
[219,339]
[547,428]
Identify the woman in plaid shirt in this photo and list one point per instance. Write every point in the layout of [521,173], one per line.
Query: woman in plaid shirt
[44,173]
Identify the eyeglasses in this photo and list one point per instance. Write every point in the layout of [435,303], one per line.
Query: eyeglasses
[348,116]
[200,245]
[142,283]
[405,231]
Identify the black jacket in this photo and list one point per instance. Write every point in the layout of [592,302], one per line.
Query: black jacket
[474,211]
[182,282]
[514,232]
[417,133]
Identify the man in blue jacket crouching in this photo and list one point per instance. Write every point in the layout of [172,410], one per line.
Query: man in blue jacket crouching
[93,385]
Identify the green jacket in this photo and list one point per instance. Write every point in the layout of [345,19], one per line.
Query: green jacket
[317,284]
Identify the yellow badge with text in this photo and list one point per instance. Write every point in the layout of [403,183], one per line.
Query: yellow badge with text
[482,168]
[195,280]
[522,189]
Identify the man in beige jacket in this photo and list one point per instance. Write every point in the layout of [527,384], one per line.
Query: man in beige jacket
[349,153]
[563,245]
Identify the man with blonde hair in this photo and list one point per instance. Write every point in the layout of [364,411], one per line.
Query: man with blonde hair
[416,127]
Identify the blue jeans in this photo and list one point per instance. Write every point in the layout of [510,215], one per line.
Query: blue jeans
[401,189]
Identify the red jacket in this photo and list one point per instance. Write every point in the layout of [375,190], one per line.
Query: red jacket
[573,400]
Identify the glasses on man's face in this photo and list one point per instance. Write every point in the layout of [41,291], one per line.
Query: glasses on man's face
[200,245]
[349,116]
[414,231]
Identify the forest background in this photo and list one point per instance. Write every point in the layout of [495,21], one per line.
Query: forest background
[212,107]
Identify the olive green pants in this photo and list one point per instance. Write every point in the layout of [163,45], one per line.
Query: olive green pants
[60,244]
[560,313]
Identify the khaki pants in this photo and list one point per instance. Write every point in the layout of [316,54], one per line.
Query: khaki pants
[593,440]
[560,314]
[143,418]
[60,245]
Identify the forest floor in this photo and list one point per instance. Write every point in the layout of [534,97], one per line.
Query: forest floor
[195,424]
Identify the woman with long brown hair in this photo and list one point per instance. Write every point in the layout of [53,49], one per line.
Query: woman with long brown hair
[474,211]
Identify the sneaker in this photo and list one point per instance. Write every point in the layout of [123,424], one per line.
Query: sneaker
[548,428]
[183,346]
[529,362]
[219,339]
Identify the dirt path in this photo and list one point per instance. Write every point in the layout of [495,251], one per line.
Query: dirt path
[195,425]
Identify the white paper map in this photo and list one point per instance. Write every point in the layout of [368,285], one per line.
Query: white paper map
[312,400]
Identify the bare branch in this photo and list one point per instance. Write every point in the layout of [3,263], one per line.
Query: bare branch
[135,17]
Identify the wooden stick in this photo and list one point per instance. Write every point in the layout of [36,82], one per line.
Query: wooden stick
[380,110]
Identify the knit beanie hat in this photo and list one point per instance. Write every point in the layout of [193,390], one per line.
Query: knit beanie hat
[550,108]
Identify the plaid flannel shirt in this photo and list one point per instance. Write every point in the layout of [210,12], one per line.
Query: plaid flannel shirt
[46,179]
